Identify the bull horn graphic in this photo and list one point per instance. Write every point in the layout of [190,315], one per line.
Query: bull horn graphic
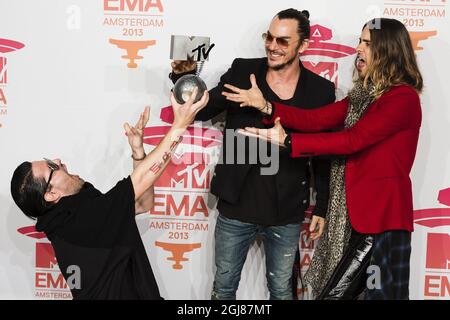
[419,36]
[178,250]
[31,232]
[435,217]
[7,45]
[132,48]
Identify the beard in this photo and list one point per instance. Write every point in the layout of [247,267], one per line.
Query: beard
[283,65]
[287,63]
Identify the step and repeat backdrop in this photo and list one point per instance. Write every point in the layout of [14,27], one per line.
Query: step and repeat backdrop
[72,72]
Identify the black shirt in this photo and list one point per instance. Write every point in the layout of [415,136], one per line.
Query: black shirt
[259,201]
[244,194]
[98,233]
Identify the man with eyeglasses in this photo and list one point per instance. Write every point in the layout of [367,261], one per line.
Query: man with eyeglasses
[251,203]
[96,233]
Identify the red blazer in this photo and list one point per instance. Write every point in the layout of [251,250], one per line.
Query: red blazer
[380,151]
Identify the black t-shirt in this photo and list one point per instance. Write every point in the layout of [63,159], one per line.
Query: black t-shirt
[98,233]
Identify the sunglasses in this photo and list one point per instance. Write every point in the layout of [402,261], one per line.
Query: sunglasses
[282,42]
[53,167]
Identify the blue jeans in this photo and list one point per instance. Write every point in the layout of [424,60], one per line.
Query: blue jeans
[232,242]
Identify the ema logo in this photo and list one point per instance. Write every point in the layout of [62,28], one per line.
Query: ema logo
[178,250]
[131,21]
[6,46]
[141,6]
[437,263]
[49,282]
[132,48]
[319,47]
[184,186]
[416,37]
[133,17]
[182,192]
[417,15]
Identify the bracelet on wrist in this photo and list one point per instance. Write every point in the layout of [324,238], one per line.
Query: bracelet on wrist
[265,108]
[268,104]
[138,159]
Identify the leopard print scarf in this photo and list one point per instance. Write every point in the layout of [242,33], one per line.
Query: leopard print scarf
[337,231]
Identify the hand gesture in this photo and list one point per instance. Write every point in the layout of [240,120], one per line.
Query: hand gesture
[185,113]
[252,97]
[136,134]
[275,135]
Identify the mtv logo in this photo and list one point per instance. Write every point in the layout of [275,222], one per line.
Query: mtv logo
[45,256]
[3,68]
[327,70]
[185,47]
[438,251]
[190,171]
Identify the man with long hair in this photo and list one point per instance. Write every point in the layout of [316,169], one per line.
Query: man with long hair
[370,188]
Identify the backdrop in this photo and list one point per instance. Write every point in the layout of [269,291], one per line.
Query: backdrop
[71,72]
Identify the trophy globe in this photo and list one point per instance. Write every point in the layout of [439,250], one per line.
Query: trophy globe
[185,85]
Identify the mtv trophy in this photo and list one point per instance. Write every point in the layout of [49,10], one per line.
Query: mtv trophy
[194,48]
[190,48]
[185,85]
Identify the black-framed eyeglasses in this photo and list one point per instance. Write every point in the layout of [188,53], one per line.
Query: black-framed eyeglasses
[282,42]
[53,167]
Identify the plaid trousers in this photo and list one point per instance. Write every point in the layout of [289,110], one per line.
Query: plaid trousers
[391,253]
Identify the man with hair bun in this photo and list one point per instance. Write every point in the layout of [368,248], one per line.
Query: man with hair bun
[251,203]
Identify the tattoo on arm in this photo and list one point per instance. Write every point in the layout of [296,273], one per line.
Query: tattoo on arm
[156,167]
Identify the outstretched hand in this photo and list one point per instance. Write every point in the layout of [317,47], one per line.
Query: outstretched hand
[252,97]
[136,134]
[185,113]
[275,135]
